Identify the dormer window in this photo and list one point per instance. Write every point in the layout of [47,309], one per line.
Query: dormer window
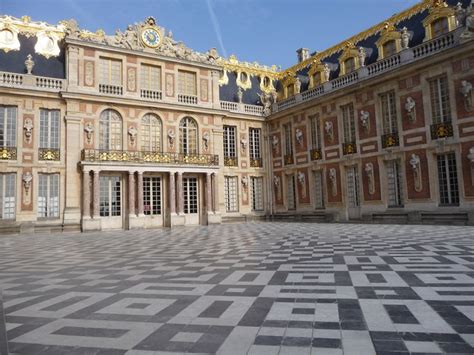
[389,48]
[349,65]
[439,27]
[351,58]
[266,81]
[391,41]
[243,80]
[319,73]
[290,90]
[316,79]
[441,20]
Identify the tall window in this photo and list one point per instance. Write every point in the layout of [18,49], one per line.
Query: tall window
[49,129]
[110,196]
[151,196]
[230,191]
[8,118]
[291,192]
[254,142]
[188,136]
[7,196]
[110,71]
[151,129]
[110,130]
[349,65]
[288,139]
[318,190]
[187,83]
[150,78]
[48,195]
[389,48]
[349,123]
[448,180]
[257,193]
[190,189]
[440,107]
[394,176]
[230,133]
[439,27]
[315,132]
[389,112]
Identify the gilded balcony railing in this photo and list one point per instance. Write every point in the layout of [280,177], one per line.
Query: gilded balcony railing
[256,163]
[7,153]
[51,154]
[390,140]
[144,157]
[441,130]
[349,148]
[231,161]
[316,154]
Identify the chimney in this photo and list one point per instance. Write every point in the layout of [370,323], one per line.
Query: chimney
[303,54]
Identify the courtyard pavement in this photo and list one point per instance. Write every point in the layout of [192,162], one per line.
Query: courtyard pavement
[257,288]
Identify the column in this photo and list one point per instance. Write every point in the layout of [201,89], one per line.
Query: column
[215,186]
[140,193]
[180,194]
[96,199]
[86,194]
[209,194]
[172,193]
[131,193]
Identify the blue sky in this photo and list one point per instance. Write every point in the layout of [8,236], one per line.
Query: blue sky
[267,31]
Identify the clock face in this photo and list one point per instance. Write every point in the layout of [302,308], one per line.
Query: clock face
[151,37]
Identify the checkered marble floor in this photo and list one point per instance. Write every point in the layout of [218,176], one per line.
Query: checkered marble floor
[257,288]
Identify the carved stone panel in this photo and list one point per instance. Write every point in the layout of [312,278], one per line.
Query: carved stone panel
[204,90]
[169,84]
[89,77]
[131,79]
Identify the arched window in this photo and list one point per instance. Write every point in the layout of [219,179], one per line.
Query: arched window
[439,27]
[389,48]
[188,136]
[349,65]
[110,130]
[151,130]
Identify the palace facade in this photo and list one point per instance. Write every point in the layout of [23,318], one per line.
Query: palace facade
[136,130]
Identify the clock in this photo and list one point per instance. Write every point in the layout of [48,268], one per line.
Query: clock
[151,37]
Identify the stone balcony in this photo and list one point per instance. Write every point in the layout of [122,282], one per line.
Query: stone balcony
[144,157]
[31,82]
[405,57]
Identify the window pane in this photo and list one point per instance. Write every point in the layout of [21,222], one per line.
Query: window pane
[152,195]
[48,195]
[448,179]
[257,193]
[389,112]
[440,107]
[230,189]
[230,133]
[110,130]
[150,77]
[349,123]
[8,119]
[151,130]
[188,136]
[254,143]
[7,196]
